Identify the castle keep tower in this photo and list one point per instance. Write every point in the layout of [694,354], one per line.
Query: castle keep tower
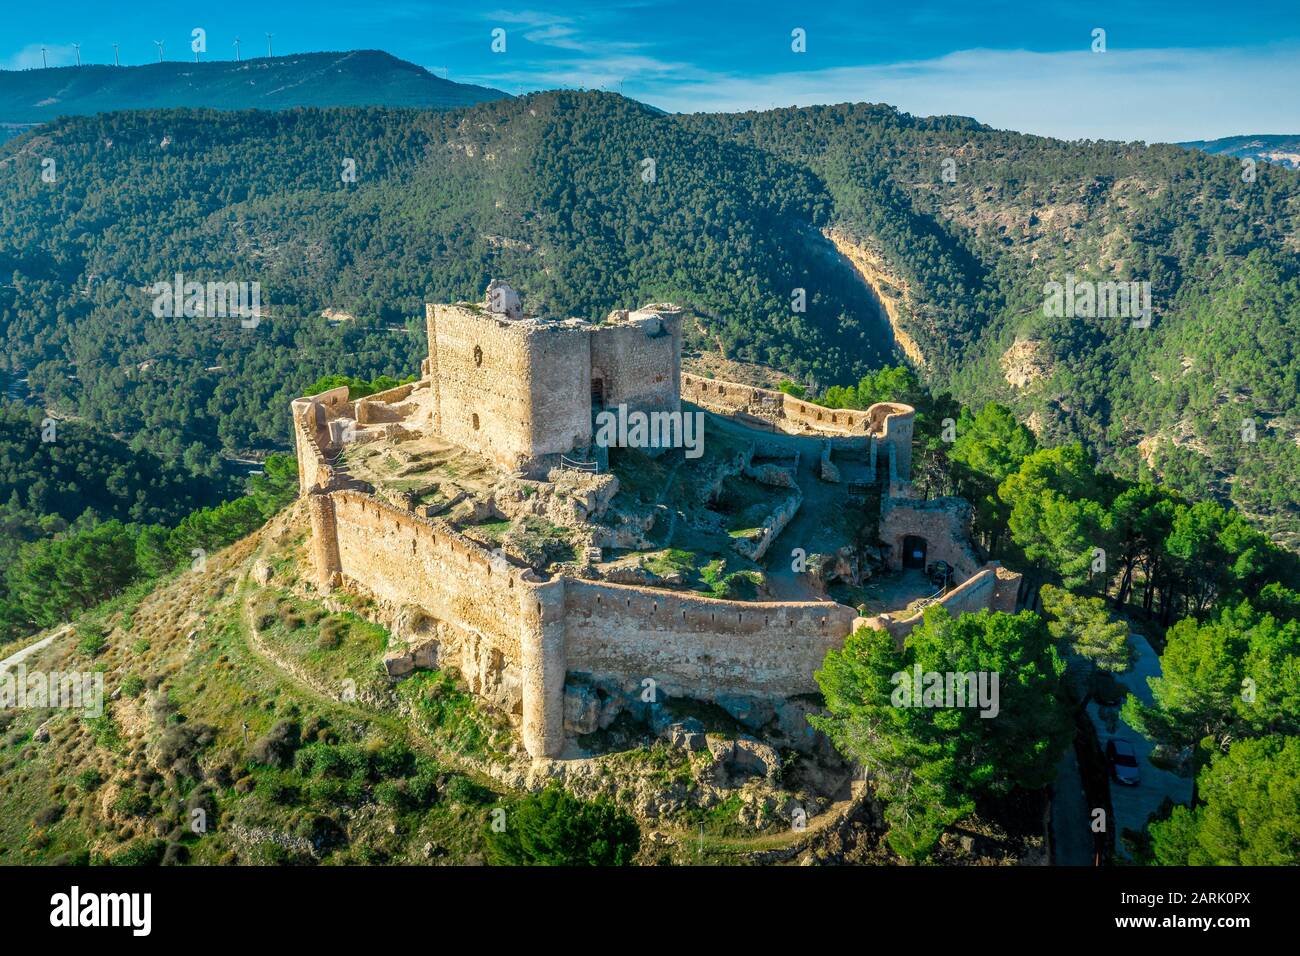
[522,390]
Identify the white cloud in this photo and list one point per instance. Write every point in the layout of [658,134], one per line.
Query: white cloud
[1152,95]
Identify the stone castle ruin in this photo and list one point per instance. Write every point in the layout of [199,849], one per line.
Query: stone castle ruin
[522,391]
[506,403]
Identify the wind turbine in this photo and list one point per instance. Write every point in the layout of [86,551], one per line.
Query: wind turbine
[236,49]
[268,44]
[43,63]
[116,61]
[77,47]
[159,45]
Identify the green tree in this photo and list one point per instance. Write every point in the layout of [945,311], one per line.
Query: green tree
[991,445]
[1234,676]
[930,763]
[1054,516]
[552,828]
[1087,631]
[1247,812]
[1217,554]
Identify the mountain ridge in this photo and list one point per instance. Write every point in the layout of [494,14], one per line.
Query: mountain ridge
[1282,149]
[347,78]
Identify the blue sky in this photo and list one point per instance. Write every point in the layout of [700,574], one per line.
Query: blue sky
[1171,70]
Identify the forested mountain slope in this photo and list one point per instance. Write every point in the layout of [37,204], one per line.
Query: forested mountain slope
[974,253]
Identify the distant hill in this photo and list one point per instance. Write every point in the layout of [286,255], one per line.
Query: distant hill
[1283,150]
[356,78]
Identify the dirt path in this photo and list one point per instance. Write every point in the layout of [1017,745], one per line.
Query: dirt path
[13,660]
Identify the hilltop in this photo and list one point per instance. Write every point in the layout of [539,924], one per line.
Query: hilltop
[239,692]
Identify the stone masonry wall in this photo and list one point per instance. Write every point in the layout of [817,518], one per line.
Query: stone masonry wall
[504,388]
[992,588]
[944,523]
[637,360]
[697,646]
[543,629]
[887,422]
[403,558]
[560,393]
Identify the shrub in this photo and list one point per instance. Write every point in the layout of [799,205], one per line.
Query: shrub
[49,815]
[132,803]
[89,780]
[176,854]
[181,743]
[395,760]
[92,643]
[132,685]
[315,728]
[142,852]
[73,858]
[322,831]
[277,746]
[332,631]
[464,790]
[394,793]
[552,828]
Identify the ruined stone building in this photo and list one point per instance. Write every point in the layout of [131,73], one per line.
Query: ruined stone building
[521,392]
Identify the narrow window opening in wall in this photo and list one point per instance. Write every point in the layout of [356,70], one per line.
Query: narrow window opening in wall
[712,616]
[478,356]
[539,607]
[765,621]
[654,607]
[832,419]
[473,419]
[739,618]
[412,546]
[683,614]
[629,602]
[721,390]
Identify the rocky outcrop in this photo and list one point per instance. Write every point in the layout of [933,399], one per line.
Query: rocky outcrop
[1024,363]
[889,291]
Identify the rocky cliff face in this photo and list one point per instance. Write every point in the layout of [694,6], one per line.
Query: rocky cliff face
[889,291]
